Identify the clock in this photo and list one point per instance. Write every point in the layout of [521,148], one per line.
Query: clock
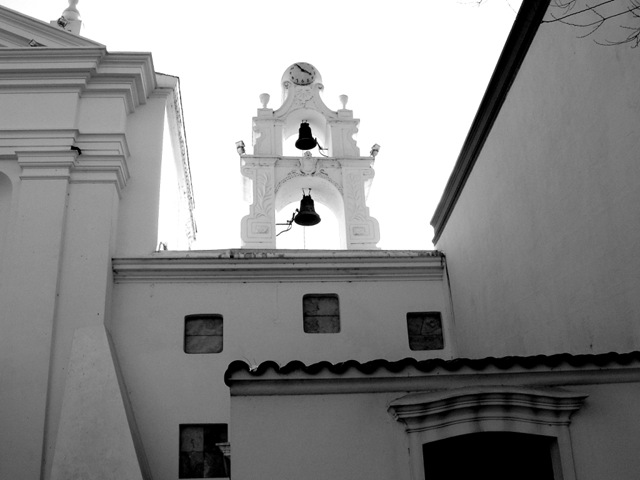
[302,73]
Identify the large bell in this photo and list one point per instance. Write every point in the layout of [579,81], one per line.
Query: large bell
[305,138]
[307,215]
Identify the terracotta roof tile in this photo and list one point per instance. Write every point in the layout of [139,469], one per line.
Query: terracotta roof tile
[426,366]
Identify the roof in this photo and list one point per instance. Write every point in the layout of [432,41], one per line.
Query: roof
[516,47]
[241,371]
[18,30]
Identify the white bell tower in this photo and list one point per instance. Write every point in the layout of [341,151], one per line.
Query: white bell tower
[340,180]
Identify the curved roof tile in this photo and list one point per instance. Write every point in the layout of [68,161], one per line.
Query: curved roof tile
[368,368]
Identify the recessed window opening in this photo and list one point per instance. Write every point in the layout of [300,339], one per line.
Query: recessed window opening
[203,333]
[204,451]
[425,330]
[321,313]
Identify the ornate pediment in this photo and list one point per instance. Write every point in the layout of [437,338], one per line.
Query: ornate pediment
[21,31]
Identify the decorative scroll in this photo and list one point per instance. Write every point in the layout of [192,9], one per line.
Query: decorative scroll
[355,198]
[264,195]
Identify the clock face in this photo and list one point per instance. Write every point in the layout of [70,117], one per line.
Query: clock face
[302,73]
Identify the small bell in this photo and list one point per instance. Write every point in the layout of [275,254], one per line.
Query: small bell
[305,138]
[307,215]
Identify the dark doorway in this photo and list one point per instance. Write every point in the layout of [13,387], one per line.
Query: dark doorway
[491,455]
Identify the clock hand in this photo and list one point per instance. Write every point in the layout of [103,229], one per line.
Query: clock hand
[302,69]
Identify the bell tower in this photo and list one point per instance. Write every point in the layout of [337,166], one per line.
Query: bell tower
[329,163]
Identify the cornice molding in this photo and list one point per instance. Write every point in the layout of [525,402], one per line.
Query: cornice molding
[47,154]
[109,144]
[118,67]
[89,70]
[435,410]
[251,266]
[34,140]
[77,59]
[12,141]
[516,47]
[46,165]
[94,169]
[178,135]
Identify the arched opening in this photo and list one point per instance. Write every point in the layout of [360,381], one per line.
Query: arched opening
[323,236]
[317,123]
[329,234]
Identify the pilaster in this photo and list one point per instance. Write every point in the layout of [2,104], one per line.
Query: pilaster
[343,129]
[267,133]
[29,301]
[363,231]
[258,228]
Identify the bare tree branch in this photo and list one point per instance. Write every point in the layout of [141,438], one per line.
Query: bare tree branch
[593,17]
[569,5]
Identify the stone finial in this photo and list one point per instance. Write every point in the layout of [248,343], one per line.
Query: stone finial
[72,13]
[70,19]
[343,100]
[264,99]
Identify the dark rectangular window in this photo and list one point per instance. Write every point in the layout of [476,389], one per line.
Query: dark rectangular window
[494,455]
[204,451]
[321,313]
[203,333]
[425,331]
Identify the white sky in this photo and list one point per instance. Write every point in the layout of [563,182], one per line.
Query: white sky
[414,70]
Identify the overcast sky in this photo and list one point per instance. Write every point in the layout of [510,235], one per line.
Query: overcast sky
[414,70]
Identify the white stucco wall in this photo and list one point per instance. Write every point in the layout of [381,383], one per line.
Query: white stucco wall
[542,244]
[262,321]
[604,432]
[335,435]
[140,202]
[316,437]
